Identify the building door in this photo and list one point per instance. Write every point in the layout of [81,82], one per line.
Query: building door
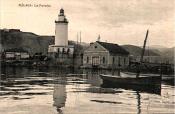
[95,61]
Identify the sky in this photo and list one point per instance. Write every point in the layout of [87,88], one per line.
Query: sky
[116,21]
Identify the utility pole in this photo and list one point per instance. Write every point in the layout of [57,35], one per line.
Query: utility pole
[77,38]
[99,38]
[80,37]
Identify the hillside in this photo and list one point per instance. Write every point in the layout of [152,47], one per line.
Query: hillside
[164,52]
[16,39]
[34,43]
[158,48]
[136,51]
[169,52]
[28,41]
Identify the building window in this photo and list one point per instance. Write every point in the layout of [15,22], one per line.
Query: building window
[124,61]
[58,50]
[95,46]
[119,62]
[63,50]
[81,59]
[87,59]
[103,60]
[68,50]
[113,60]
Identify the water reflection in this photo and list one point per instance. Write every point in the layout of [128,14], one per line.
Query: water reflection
[59,93]
[138,102]
[55,88]
[93,78]
[59,96]
[155,89]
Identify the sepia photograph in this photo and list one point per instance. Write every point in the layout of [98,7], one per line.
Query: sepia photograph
[87,56]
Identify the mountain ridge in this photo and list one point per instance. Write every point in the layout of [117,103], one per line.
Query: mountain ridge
[33,43]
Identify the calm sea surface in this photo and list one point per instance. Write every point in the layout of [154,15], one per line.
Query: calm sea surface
[59,91]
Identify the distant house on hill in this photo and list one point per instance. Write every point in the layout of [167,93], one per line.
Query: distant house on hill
[135,54]
[11,30]
[105,55]
[149,57]
[16,54]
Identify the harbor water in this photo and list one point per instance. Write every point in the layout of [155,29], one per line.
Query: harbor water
[75,91]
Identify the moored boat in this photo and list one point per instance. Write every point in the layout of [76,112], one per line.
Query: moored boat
[131,80]
[163,78]
[150,86]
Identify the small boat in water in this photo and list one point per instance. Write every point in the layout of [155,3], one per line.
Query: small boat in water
[164,76]
[125,81]
[133,78]
[142,80]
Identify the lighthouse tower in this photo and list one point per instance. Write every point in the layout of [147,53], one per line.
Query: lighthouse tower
[61,52]
[61,30]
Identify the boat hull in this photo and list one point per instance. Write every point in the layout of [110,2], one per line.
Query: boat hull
[142,81]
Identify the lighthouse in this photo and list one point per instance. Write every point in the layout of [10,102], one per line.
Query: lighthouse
[61,30]
[61,51]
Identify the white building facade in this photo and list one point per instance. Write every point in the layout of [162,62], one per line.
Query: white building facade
[105,55]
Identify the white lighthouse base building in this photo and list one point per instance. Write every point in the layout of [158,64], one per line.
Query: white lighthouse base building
[62,55]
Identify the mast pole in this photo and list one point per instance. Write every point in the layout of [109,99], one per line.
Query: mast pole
[142,54]
[143,49]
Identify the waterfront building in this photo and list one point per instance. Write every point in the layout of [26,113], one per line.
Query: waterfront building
[105,55]
[61,52]
[153,58]
[16,54]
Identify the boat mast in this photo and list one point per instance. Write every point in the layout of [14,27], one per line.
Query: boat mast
[143,49]
[142,54]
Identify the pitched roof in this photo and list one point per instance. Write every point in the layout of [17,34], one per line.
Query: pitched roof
[113,48]
[15,50]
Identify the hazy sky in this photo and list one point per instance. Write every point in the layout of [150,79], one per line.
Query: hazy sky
[117,21]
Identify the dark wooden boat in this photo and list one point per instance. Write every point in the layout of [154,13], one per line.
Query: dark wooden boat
[133,78]
[164,76]
[141,80]
[133,84]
